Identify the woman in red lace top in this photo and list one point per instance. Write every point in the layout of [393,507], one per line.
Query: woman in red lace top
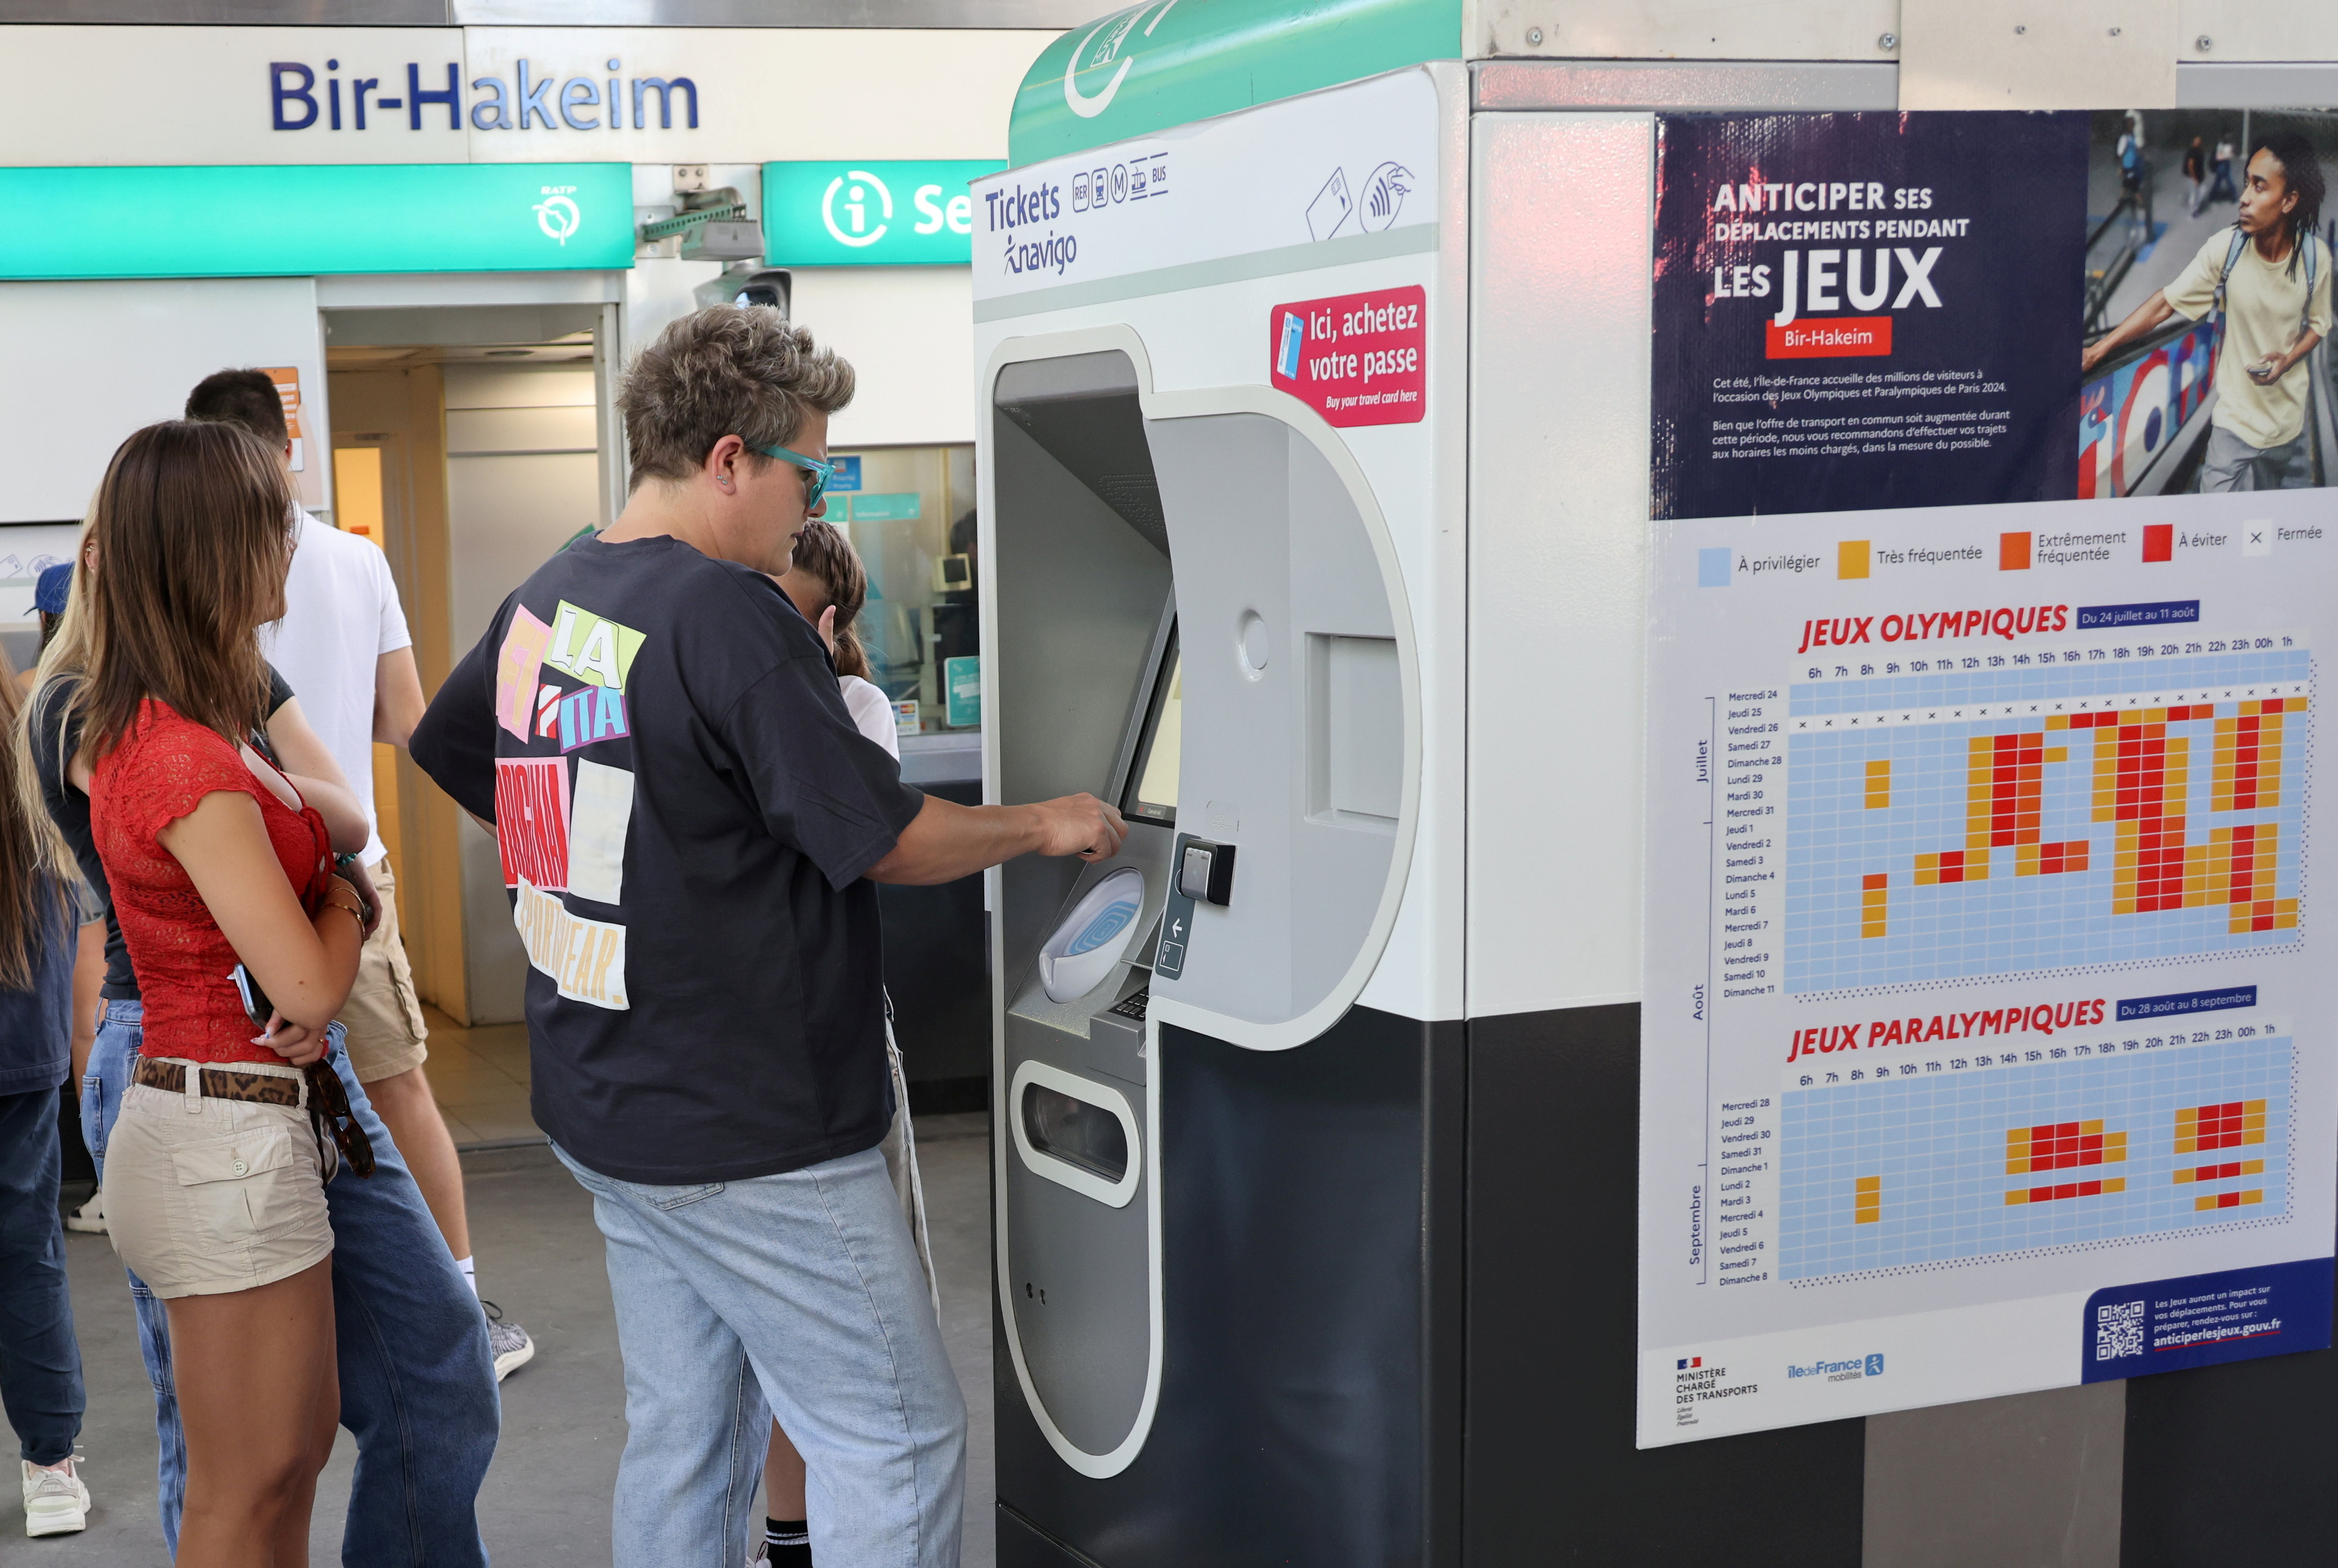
[221,873]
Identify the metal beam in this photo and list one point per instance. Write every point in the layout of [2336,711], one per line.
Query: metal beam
[898,14]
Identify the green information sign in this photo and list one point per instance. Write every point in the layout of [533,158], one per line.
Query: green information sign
[876,212]
[885,506]
[1145,68]
[301,220]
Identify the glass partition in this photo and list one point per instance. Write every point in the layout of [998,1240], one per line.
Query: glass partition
[909,512]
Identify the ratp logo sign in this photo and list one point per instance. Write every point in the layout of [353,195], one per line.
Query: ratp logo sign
[558,214]
[875,213]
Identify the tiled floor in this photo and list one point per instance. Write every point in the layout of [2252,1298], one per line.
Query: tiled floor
[545,1504]
[479,1078]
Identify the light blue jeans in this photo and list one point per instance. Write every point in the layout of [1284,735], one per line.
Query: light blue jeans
[418,1382]
[799,1294]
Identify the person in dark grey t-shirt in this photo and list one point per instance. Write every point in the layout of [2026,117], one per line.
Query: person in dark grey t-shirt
[690,825]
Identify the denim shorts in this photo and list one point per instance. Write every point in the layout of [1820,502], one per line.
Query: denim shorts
[205,1196]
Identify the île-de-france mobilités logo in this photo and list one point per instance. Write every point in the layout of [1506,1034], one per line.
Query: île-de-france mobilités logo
[1100,48]
[558,214]
[859,189]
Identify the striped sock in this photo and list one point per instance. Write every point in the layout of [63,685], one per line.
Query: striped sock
[787,1543]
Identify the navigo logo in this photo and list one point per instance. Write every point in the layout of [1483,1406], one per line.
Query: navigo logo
[1101,48]
[558,214]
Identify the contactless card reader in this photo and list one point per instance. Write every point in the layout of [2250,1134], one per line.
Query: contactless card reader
[1090,940]
[1205,870]
[1204,874]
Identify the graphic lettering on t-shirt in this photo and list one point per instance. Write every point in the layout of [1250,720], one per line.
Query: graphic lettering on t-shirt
[532,820]
[600,809]
[516,663]
[547,710]
[595,713]
[595,650]
[586,958]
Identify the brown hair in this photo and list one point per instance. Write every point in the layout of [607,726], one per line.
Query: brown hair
[245,398]
[742,370]
[823,551]
[193,528]
[30,884]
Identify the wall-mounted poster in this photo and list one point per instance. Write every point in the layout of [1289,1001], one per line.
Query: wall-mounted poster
[1986,1039]
[1866,310]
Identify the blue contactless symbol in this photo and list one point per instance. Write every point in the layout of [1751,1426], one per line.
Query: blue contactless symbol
[1093,936]
[1108,923]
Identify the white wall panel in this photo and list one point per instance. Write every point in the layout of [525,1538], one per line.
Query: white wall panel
[909,334]
[89,362]
[476,431]
[2238,30]
[1558,530]
[2015,54]
[508,512]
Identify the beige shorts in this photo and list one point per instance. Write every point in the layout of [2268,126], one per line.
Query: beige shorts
[383,1016]
[206,1196]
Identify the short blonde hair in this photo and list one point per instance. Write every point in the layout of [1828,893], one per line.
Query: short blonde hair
[727,370]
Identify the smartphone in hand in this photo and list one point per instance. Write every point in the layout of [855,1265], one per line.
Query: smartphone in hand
[256,1005]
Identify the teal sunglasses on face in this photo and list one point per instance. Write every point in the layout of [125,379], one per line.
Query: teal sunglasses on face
[817,474]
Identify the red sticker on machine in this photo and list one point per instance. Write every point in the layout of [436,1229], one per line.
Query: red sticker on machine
[1356,359]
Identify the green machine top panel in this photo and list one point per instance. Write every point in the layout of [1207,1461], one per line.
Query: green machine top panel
[1170,62]
[303,219]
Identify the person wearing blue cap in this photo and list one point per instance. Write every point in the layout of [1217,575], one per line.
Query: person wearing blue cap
[49,591]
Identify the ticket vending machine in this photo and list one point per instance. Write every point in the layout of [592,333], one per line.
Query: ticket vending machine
[1208,625]
[1313,372]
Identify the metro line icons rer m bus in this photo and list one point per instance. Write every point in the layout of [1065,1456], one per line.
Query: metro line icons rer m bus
[296,103]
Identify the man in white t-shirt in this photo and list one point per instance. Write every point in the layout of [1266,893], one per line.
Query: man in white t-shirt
[2274,287]
[344,648]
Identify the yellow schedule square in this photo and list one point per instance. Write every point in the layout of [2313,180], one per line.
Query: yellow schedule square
[1852,558]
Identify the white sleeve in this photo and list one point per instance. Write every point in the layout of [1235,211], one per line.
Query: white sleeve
[870,712]
[394,634]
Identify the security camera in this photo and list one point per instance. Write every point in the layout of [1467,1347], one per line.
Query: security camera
[747,285]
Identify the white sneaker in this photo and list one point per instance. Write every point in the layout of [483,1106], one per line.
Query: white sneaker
[55,1501]
[508,1341]
[90,1218]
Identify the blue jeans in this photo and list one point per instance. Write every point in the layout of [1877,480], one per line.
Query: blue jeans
[418,1382]
[799,1294]
[40,1360]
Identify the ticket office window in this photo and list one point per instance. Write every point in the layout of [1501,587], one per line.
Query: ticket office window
[912,517]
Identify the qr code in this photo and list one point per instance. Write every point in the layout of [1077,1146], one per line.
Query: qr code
[2118,1331]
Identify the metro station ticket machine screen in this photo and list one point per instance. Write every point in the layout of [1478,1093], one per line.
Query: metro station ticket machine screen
[1152,793]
